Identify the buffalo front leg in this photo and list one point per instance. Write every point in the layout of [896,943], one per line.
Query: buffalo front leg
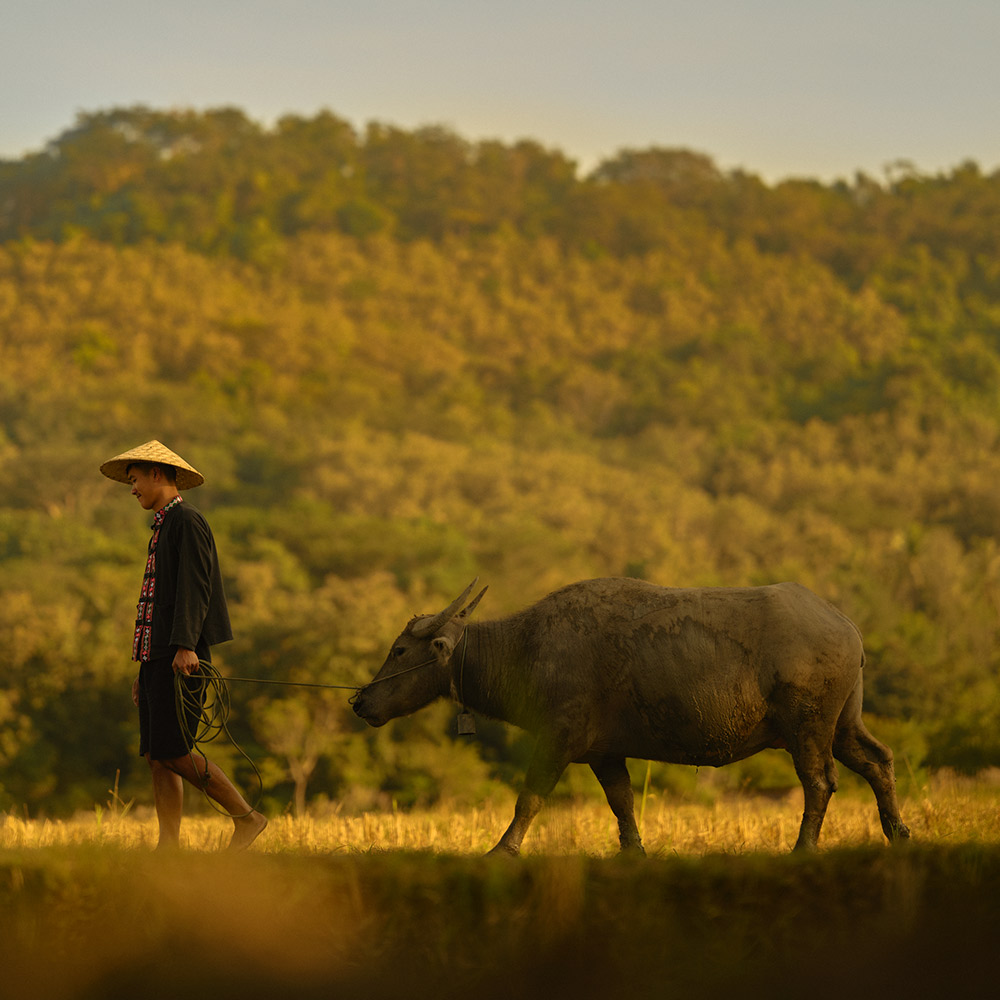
[613,775]
[547,764]
[527,808]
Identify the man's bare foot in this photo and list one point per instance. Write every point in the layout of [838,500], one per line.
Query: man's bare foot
[247,829]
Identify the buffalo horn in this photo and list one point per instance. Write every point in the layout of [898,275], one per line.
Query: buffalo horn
[467,613]
[428,625]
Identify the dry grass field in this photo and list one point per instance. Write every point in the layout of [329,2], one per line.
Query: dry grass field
[947,810]
[405,905]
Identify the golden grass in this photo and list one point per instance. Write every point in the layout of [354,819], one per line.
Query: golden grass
[394,905]
[947,811]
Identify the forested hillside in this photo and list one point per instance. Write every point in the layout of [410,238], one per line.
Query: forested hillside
[403,360]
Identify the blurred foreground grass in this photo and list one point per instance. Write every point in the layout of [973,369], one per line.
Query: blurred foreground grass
[349,906]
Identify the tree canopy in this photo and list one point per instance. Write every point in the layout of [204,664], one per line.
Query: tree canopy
[403,360]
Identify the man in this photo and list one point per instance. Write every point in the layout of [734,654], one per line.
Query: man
[182,613]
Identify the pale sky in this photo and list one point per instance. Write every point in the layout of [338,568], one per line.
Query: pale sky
[804,88]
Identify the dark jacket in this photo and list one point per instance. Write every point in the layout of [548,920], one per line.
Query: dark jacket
[190,608]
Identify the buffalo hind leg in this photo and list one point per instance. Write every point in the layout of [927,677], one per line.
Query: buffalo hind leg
[818,773]
[613,775]
[549,760]
[857,749]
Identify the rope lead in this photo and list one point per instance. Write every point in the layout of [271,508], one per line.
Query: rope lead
[205,696]
[191,700]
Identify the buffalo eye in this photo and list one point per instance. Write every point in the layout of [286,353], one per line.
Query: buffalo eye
[398,650]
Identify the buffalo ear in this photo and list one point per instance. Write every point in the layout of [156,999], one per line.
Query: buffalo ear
[443,648]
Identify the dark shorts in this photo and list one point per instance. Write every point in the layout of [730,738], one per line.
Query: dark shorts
[161,734]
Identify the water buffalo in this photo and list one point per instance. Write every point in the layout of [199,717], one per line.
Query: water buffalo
[607,669]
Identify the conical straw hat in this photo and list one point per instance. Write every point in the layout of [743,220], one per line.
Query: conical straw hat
[152,451]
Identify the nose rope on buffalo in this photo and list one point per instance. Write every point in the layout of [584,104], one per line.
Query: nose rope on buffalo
[211,714]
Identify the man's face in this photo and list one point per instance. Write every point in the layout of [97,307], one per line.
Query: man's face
[149,486]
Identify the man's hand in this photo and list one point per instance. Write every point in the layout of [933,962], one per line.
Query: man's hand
[185,661]
[135,690]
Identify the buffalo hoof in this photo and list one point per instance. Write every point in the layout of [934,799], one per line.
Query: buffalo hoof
[632,851]
[503,851]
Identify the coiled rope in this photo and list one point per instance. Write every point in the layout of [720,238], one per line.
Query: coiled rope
[204,696]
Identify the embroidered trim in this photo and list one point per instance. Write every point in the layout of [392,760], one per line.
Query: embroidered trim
[142,639]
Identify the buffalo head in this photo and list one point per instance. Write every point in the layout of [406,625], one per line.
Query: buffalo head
[418,667]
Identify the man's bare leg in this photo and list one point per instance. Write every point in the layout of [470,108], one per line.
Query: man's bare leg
[248,824]
[168,798]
